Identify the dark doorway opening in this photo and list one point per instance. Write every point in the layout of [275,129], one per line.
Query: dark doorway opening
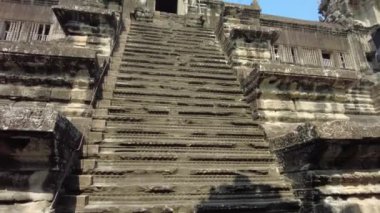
[169,6]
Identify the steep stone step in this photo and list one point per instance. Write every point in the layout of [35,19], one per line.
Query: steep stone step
[184,122]
[162,109]
[173,94]
[139,33]
[202,137]
[179,50]
[198,157]
[149,29]
[183,77]
[190,117]
[190,102]
[186,171]
[249,204]
[173,43]
[186,155]
[258,174]
[285,205]
[120,148]
[168,88]
[218,88]
[191,120]
[160,52]
[188,70]
[171,62]
[257,143]
[189,59]
[185,102]
[171,167]
[133,193]
[169,200]
[190,84]
[177,38]
[159,27]
[185,129]
[139,119]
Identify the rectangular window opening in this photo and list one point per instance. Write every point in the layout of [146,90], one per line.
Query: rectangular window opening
[342,61]
[276,52]
[43,32]
[40,29]
[369,58]
[7,26]
[47,30]
[326,55]
[293,51]
[168,6]
[327,59]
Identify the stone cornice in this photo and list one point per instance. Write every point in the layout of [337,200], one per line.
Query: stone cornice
[285,135]
[107,20]
[308,72]
[47,57]
[50,49]
[250,33]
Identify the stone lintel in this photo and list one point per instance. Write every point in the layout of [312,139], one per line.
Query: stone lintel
[231,6]
[25,12]
[317,25]
[49,56]
[289,135]
[46,49]
[29,120]
[93,5]
[252,33]
[241,11]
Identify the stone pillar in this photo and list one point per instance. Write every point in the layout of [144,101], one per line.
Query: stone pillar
[2,29]
[182,6]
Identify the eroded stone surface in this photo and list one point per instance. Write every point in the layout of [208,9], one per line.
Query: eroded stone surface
[35,159]
[285,135]
[171,131]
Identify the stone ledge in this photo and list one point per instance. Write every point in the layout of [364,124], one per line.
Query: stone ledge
[40,141]
[29,121]
[37,206]
[35,119]
[109,20]
[287,135]
[310,72]
[46,49]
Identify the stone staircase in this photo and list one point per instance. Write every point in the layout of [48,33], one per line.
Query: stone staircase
[171,133]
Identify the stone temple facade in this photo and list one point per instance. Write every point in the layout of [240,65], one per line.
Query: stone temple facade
[184,106]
